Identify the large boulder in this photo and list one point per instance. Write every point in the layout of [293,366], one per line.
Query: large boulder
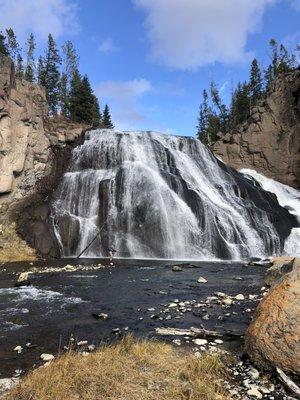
[273,337]
[279,267]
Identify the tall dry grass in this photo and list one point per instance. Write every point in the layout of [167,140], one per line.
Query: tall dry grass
[130,370]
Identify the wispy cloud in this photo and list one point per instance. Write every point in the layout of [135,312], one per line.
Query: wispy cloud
[107,46]
[123,98]
[40,17]
[189,34]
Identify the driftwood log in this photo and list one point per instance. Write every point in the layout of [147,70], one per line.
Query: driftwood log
[196,333]
[288,383]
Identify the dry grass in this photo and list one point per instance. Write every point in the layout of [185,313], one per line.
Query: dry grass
[130,370]
[12,247]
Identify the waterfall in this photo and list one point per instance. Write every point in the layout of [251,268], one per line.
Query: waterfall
[162,196]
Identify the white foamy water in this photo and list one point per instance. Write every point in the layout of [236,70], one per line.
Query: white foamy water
[287,197]
[158,196]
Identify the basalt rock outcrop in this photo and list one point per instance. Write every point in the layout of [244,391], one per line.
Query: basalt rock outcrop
[269,141]
[34,152]
[273,337]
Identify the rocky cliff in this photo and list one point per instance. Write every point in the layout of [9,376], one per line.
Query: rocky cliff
[269,141]
[33,149]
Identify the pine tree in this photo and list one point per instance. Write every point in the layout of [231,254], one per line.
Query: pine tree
[52,75]
[41,72]
[222,109]
[3,45]
[106,119]
[256,83]
[64,94]
[12,44]
[96,114]
[70,65]
[30,66]
[240,105]
[83,104]
[19,67]
[203,116]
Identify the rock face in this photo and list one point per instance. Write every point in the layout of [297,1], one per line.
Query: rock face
[279,267]
[33,154]
[270,139]
[273,337]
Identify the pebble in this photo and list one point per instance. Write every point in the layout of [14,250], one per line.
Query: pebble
[200,342]
[177,341]
[254,373]
[46,357]
[176,268]
[227,301]
[151,309]
[218,341]
[172,305]
[240,296]
[254,392]
[201,280]
[82,343]
[18,349]
[91,347]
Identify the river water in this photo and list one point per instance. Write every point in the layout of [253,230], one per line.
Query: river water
[59,304]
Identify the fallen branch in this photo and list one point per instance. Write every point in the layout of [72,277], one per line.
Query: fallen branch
[288,383]
[194,332]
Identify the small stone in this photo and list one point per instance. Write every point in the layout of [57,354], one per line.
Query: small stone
[227,301]
[176,268]
[218,341]
[177,342]
[200,342]
[151,309]
[85,353]
[172,305]
[205,317]
[254,392]
[240,296]
[254,373]
[82,343]
[201,280]
[46,357]
[91,347]
[18,349]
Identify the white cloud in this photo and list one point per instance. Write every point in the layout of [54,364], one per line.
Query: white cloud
[187,34]
[107,46]
[122,96]
[39,16]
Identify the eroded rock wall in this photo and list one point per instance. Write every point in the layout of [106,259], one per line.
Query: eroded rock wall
[34,153]
[269,141]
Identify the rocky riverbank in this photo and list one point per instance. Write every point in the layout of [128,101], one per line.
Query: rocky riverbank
[89,304]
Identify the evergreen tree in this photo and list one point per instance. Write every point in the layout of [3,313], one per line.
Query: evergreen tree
[222,109]
[203,116]
[240,105]
[30,67]
[19,67]
[41,72]
[12,44]
[83,104]
[106,118]
[96,114]
[64,95]
[3,45]
[70,64]
[52,75]
[256,83]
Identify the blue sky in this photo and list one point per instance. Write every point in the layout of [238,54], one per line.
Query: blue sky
[151,59]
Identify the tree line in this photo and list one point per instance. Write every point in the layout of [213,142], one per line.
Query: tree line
[216,118]
[68,92]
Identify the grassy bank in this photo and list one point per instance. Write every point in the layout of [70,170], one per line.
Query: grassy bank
[130,370]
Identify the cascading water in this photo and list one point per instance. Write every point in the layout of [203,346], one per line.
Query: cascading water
[162,196]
